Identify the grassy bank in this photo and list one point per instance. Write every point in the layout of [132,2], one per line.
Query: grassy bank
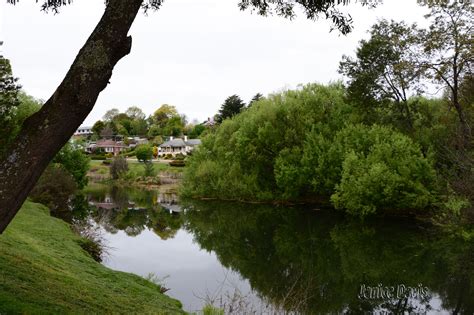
[44,270]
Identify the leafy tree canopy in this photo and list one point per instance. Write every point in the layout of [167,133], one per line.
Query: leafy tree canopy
[231,107]
[284,8]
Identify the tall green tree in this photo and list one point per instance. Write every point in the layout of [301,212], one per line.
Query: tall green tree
[383,75]
[174,127]
[135,112]
[231,107]
[110,114]
[88,75]
[163,114]
[448,50]
[9,102]
[98,127]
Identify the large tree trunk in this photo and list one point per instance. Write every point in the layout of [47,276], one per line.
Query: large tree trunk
[45,133]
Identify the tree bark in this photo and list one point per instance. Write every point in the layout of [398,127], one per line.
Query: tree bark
[45,133]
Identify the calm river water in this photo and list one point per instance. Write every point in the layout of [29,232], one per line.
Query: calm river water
[272,260]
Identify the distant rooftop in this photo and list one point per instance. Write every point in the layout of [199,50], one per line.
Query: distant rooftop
[179,143]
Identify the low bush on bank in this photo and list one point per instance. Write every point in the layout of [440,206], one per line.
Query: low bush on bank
[178,163]
[97,157]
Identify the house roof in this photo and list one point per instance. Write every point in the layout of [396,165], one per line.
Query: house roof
[179,143]
[108,144]
[175,143]
[193,142]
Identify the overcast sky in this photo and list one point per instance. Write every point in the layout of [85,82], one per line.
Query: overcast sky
[191,54]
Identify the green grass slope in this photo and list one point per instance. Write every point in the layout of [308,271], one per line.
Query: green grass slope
[43,270]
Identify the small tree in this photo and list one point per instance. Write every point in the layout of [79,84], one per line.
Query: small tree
[143,153]
[75,162]
[118,167]
[98,127]
[149,169]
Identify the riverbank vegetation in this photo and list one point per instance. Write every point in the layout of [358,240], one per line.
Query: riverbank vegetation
[307,143]
[44,270]
[377,144]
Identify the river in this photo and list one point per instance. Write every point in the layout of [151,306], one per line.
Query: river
[261,259]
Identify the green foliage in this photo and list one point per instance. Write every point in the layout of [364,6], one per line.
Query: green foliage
[208,309]
[148,169]
[196,131]
[118,167]
[75,162]
[98,157]
[381,169]
[300,144]
[54,188]
[15,105]
[144,152]
[384,73]
[455,204]
[178,163]
[135,113]
[257,97]
[237,161]
[174,126]
[98,127]
[9,90]
[110,115]
[92,248]
[163,114]
[231,107]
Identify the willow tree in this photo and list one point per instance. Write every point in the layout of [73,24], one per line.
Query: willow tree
[43,134]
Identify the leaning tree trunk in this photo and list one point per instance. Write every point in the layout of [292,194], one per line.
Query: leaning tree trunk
[45,133]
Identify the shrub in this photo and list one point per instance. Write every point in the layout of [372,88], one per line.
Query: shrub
[144,153]
[97,157]
[118,167]
[381,169]
[92,248]
[149,169]
[54,188]
[109,155]
[106,162]
[177,163]
[75,162]
[179,156]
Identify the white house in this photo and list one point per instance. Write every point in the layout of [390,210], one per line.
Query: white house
[84,131]
[178,146]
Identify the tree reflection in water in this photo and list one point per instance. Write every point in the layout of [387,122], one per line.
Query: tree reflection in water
[133,210]
[294,255]
[304,261]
